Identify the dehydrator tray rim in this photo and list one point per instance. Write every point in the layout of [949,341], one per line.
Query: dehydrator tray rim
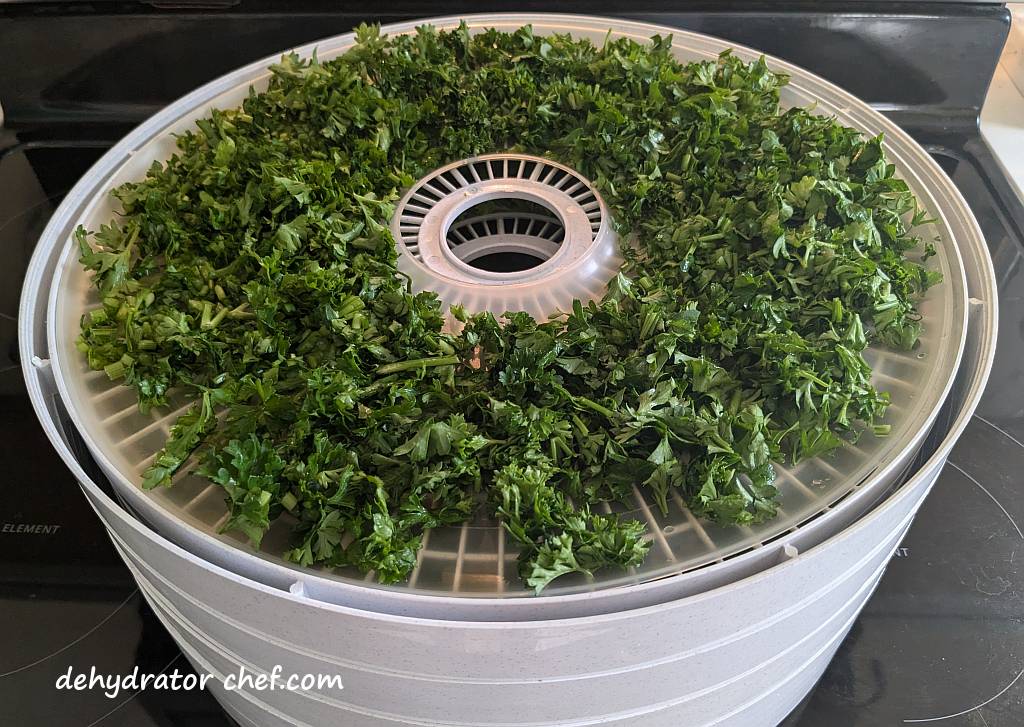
[200,542]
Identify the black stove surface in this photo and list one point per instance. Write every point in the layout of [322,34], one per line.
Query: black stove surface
[941,641]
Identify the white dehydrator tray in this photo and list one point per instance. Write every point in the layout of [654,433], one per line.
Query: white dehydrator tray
[819,496]
[737,643]
[740,655]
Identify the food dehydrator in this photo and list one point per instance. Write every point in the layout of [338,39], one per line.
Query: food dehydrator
[720,625]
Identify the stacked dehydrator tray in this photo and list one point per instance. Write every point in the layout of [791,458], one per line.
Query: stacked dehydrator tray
[720,625]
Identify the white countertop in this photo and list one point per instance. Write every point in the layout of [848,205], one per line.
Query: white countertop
[1002,118]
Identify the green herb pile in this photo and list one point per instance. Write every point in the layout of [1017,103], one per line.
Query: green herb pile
[255,271]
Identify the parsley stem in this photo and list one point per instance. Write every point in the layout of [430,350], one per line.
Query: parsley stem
[593,406]
[215,321]
[241,311]
[416,363]
[204,322]
[373,388]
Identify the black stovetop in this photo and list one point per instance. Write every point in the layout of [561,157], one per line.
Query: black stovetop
[942,640]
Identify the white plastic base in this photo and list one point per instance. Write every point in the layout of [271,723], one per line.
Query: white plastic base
[715,658]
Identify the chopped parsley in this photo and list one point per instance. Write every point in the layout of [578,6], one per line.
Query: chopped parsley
[255,272]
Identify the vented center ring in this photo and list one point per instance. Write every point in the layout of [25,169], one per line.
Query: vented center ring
[436,230]
[506,232]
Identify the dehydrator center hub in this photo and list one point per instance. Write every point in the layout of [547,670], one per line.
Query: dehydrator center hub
[506,232]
